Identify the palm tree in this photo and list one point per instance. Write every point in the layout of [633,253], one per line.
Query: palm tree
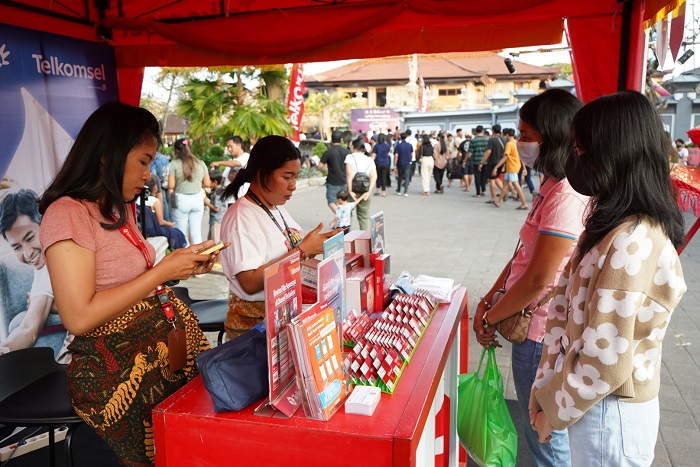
[222,105]
[329,110]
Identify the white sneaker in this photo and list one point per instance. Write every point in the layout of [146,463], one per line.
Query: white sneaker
[405,194]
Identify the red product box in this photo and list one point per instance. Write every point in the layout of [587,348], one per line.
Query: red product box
[359,290]
[309,295]
[352,261]
[358,242]
[382,292]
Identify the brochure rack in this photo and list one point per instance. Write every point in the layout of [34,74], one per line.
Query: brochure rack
[402,431]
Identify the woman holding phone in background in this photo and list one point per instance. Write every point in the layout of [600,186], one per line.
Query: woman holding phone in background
[260,229]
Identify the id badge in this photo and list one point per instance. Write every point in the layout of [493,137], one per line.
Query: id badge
[177,349]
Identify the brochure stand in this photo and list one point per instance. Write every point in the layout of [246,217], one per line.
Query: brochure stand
[402,432]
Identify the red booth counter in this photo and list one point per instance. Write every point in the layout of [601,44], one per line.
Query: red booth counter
[402,432]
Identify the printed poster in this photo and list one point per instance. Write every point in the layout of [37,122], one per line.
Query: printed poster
[49,85]
[376,229]
[332,246]
[331,286]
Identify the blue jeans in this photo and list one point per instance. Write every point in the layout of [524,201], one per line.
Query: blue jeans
[528,180]
[190,210]
[404,178]
[332,192]
[615,433]
[525,358]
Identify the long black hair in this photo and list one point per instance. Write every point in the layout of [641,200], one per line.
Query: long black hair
[94,168]
[268,154]
[625,154]
[182,152]
[551,114]
[426,147]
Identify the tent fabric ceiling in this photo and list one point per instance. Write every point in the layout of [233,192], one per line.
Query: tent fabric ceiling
[252,32]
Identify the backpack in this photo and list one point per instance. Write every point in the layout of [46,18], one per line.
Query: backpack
[360,182]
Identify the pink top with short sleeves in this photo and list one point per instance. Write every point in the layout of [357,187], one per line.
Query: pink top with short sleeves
[558,210]
[117,261]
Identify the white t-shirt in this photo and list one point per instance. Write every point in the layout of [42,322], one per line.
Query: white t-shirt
[413,142]
[255,240]
[683,156]
[243,159]
[360,162]
[41,285]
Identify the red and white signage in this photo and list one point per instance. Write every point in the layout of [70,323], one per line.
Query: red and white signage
[295,99]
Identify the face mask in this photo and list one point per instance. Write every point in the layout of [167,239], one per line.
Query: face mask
[528,152]
[579,178]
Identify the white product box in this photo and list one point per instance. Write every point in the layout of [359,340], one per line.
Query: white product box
[363,400]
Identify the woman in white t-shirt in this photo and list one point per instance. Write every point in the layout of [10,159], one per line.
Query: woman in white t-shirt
[260,229]
[359,161]
[548,239]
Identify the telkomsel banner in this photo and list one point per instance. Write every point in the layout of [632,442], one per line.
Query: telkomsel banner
[49,85]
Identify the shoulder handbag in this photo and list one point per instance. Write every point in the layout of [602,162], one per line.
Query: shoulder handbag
[360,181]
[173,200]
[514,328]
[235,373]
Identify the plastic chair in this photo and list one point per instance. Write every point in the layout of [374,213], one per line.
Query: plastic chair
[33,392]
[211,313]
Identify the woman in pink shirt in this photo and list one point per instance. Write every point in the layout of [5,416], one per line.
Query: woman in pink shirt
[127,354]
[548,238]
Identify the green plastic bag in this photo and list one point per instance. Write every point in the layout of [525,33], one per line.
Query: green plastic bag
[484,425]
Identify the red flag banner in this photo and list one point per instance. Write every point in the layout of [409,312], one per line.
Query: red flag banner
[295,99]
[677,30]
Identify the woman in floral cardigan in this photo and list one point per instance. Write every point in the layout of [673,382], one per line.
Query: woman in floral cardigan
[599,372]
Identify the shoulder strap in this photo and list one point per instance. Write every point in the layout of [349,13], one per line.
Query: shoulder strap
[546,298]
[510,263]
[358,165]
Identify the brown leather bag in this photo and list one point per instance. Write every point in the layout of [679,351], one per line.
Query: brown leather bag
[514,328]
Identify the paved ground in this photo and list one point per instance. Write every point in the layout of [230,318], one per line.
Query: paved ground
[461,237]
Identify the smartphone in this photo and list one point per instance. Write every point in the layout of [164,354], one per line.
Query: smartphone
[212,249]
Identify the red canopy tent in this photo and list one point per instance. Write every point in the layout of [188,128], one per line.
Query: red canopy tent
[607,36]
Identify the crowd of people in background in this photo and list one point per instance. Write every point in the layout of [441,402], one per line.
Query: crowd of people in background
[493,163]
[482,160]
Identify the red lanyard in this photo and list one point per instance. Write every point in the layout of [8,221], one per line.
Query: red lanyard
[161,292]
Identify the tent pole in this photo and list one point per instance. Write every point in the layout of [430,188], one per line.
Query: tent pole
[624,43]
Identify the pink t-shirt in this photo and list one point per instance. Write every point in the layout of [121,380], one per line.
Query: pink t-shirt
[558,210]
[117,261]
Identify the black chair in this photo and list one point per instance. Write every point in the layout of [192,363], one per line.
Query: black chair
[33,392]
[211,313]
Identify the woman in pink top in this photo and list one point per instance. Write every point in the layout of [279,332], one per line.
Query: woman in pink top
[548,238]
[127,355]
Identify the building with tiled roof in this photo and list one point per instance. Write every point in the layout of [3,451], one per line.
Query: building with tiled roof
[452,81]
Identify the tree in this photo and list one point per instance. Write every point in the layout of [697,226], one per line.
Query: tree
[326,110]
[236,101]
[170,80]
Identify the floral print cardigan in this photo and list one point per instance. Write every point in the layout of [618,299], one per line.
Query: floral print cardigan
[606,323]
